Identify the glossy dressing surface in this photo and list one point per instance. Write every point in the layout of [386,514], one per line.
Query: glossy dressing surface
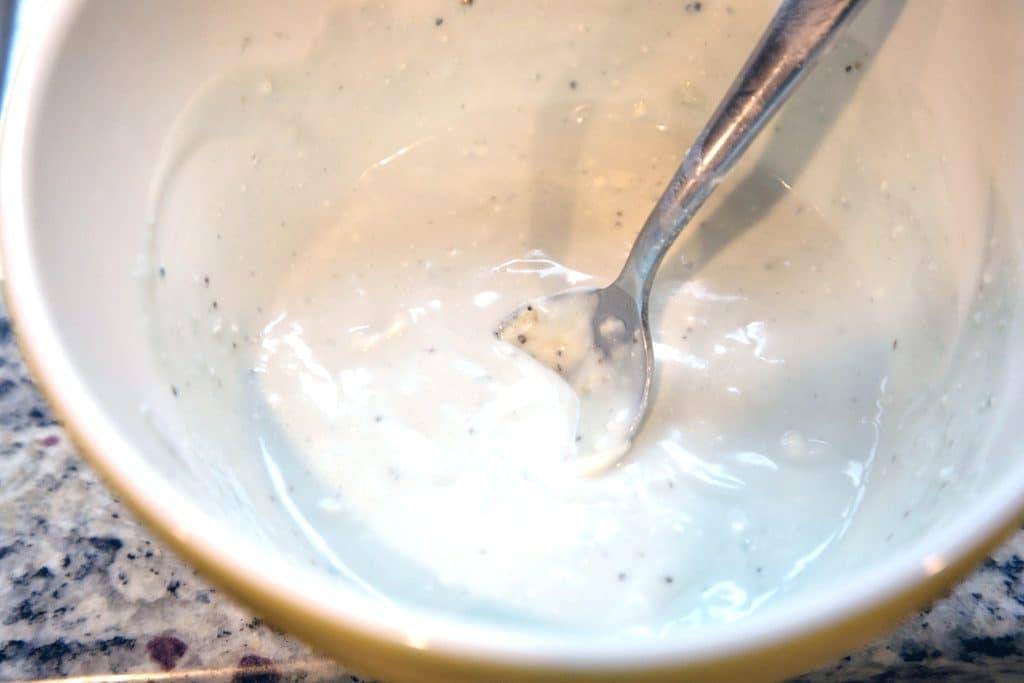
[360,219]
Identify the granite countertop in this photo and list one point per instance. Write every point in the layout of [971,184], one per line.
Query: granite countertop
[86,590]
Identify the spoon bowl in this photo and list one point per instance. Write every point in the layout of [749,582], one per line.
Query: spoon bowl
[599,341]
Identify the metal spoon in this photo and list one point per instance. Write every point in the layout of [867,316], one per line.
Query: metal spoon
[600,339]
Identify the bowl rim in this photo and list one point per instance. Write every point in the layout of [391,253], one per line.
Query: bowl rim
[271,584]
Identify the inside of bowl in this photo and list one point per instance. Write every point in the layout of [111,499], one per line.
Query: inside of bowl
[156,261]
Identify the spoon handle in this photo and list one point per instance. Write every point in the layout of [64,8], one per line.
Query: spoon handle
[797,35]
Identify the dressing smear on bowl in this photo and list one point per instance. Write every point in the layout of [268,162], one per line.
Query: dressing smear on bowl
[336,237]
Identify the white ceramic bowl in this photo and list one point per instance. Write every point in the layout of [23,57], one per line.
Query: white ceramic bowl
[91,104]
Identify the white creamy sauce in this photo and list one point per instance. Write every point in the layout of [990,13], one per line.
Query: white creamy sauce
[601,359]
[382,204]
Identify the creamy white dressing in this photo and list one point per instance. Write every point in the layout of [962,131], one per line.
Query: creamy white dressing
[602,361]
[382,204]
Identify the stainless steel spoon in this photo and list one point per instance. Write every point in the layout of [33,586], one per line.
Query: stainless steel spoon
[600,339]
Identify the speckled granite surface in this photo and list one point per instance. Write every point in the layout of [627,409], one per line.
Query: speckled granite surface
[85,590]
